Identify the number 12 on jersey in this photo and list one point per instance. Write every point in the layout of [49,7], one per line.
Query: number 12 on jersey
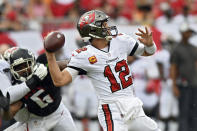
[123,69]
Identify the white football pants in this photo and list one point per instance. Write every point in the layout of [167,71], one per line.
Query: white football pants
[111,119]
[60,120]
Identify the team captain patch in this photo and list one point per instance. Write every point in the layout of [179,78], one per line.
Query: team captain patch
[92,59]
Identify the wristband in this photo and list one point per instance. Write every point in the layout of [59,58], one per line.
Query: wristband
[151,49]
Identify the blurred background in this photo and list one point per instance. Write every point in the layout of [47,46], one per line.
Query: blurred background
[166,82]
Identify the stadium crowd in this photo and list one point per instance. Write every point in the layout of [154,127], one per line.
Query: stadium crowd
[37,14]
[165,82]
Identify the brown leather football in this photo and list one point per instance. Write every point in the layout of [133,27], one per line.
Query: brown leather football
[54,41]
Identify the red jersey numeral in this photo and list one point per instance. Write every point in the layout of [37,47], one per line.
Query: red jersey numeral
[123,68]
[115,86]
[81,49]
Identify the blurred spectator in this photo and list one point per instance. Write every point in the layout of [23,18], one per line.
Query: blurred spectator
[184,76]
[12,18]
[144,13]
[167,14]
[184,16]
[3,5]
[145,71]
[165,24]
[90,4]
[124,10]
[85,104]
[168,107]
[38,12]
[74,13]
[60,8]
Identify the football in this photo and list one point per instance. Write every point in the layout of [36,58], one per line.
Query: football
[54,41]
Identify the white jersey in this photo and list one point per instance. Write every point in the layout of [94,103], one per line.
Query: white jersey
[108,71]
[4,76]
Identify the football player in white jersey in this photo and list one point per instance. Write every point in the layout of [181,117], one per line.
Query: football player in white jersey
[104,61]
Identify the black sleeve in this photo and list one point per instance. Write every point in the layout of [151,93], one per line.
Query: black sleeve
[42,59]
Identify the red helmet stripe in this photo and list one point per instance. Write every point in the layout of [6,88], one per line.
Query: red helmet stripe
[87,20]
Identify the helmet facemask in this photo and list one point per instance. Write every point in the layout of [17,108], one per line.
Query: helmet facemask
[22,64]
[22,71]
[103,31]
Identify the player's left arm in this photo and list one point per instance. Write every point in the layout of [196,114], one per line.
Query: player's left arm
[147,46]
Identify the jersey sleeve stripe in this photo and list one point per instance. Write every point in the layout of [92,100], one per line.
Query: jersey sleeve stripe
[134,49]
[81,71]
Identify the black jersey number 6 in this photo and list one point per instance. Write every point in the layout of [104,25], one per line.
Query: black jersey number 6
[42,102]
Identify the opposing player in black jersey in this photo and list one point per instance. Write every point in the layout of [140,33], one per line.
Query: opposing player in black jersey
[41,109]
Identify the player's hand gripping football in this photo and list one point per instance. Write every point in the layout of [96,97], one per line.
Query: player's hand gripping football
[54,41]
[4,101]
[145,37]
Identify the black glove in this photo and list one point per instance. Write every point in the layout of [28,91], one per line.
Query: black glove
[4,101]
[33,82]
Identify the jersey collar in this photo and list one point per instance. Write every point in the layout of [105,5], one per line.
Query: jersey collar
[100,50]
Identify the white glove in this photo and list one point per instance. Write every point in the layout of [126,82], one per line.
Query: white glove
[41,71]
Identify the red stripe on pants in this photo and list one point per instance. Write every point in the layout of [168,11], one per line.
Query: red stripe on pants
[108,117]
[27,127]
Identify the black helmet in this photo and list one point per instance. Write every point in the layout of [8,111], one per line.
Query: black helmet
[90,25]
[22,60]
